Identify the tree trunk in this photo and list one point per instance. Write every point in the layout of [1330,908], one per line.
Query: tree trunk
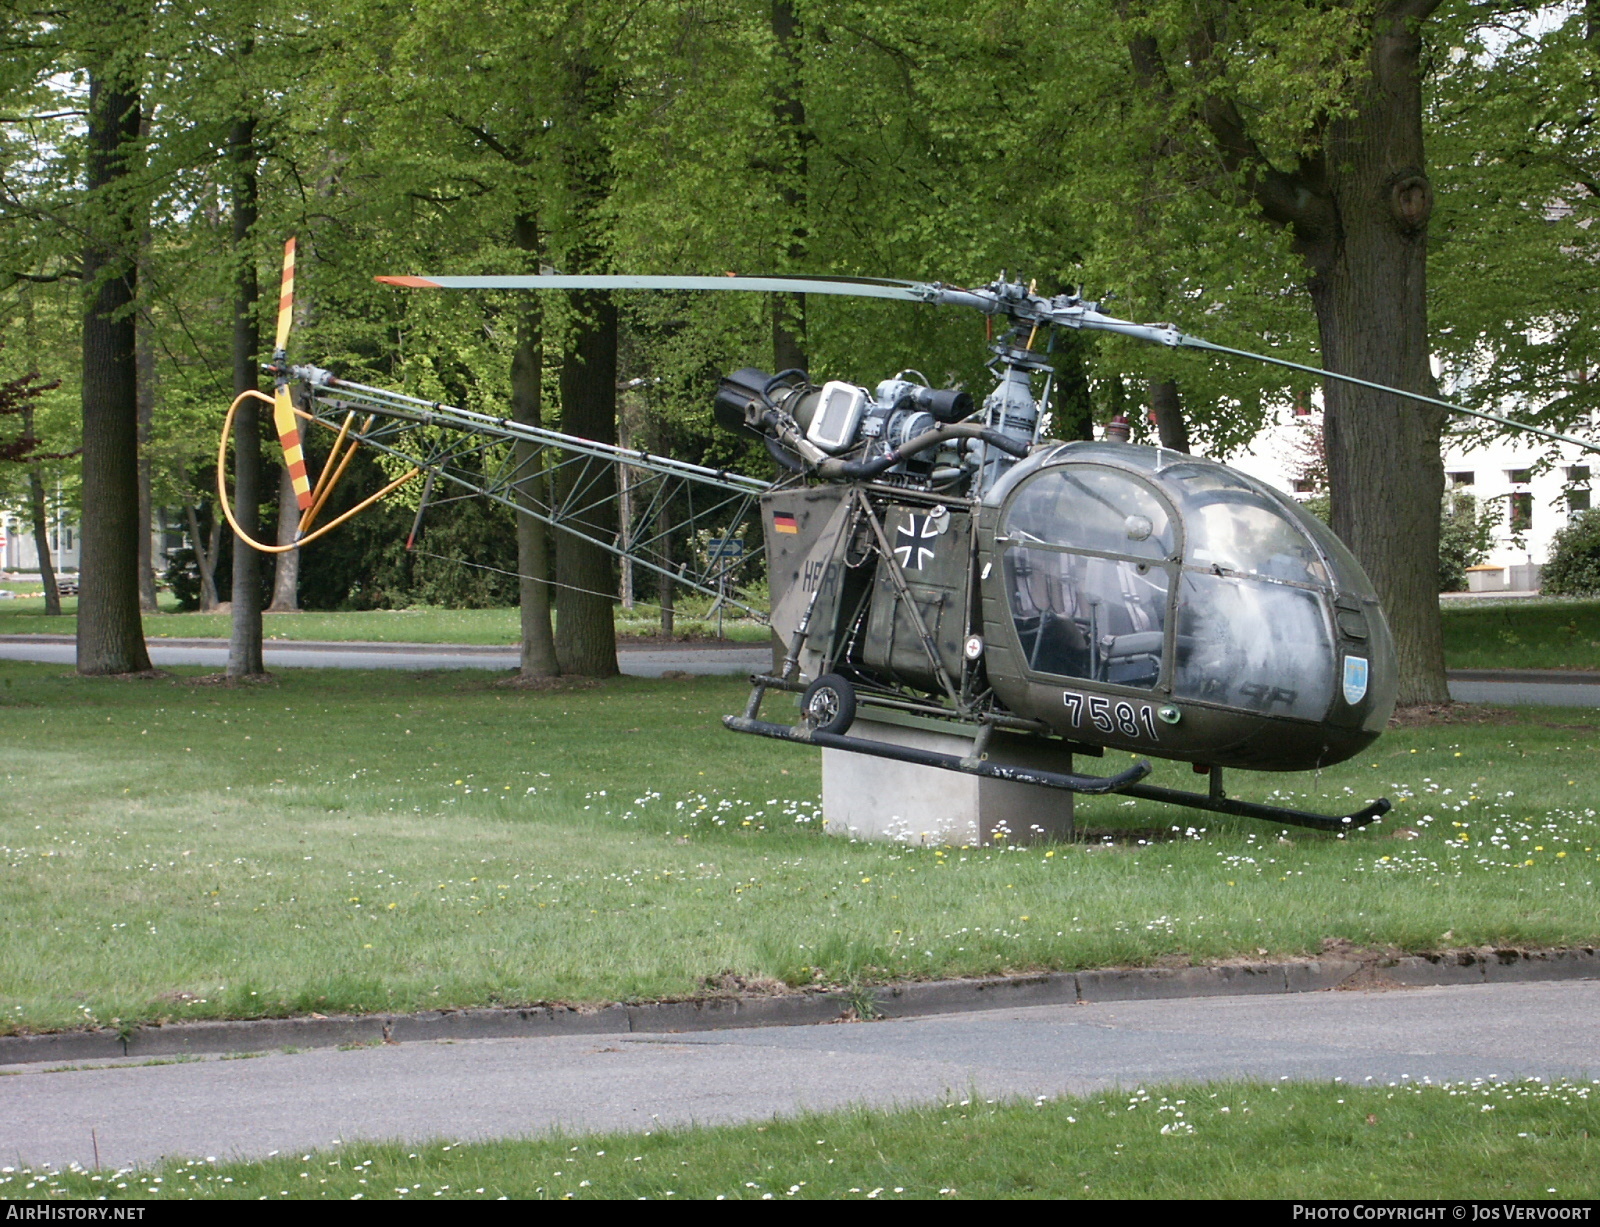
[1167,405]
[789,116]
[586,633]
[1385,472]
[667,588]
[110,634]
[36,497]
[244,646]
[586,581]
[205,560]
[145,359]
[533,538]
[286,568]
[1071,405]
[658,439]
[41,530]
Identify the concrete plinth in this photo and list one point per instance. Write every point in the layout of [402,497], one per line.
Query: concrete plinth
[878,798]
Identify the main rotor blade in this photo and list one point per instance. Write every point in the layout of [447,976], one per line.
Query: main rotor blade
[904,291]
[1189,342]
[997,298]
[1084,316]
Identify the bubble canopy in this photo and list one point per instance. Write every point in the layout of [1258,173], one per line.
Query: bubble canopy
[1148,569]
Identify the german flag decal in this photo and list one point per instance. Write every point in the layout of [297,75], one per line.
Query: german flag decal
[783,522]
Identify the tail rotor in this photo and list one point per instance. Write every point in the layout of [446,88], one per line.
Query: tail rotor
[285,418]
[294,456]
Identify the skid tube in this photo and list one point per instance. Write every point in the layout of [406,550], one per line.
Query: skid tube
[1124,784]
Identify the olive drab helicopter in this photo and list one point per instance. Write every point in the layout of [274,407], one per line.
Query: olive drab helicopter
[936,556]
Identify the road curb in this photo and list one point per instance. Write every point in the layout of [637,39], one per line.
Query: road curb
[1109,985]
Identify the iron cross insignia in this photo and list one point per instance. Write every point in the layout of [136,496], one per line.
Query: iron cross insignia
[913,542]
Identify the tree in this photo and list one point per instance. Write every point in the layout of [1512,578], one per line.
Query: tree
[789,167]
[538,657]
[244,644]
[1338,164]
[286,566]
[1514,134]
[585,634]
[110,634]
[19,398]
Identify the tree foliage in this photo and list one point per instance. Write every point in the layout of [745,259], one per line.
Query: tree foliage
[1192,159]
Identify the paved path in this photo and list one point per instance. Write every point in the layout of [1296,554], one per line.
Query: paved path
[500,1088]
[651,661]
[1534,687]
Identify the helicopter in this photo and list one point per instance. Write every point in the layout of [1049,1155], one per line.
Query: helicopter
[938,557]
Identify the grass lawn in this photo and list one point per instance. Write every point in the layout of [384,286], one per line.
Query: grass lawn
[1530,633]
[26,615]
[382,840]
[1467,1141]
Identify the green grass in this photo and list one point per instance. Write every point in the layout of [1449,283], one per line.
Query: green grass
[1530,633]
[1479,1140]
[426,625]
[382,840]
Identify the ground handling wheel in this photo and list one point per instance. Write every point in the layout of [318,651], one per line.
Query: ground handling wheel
[829,704]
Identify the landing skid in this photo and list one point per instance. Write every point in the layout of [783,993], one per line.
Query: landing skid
[1125,783]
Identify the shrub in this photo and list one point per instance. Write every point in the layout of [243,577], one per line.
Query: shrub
[1574,565]
[1466,536]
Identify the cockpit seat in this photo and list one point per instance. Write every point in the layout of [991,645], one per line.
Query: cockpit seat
[1133,659]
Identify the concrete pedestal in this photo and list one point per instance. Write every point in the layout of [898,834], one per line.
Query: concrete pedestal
[877,798]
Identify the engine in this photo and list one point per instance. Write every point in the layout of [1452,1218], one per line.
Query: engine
[903,432]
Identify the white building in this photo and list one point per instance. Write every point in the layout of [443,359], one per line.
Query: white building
[18,552]
[20,555]
[1535,491]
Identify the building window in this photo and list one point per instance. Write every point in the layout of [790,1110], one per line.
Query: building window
[1519,477]
[1577,500]
[1304,485]
[1578,475]
[1460,479]
[1521,512]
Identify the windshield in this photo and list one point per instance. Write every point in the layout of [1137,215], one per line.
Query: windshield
[1231,524]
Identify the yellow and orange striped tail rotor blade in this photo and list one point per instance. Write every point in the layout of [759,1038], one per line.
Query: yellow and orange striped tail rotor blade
[286,297]
[293,454]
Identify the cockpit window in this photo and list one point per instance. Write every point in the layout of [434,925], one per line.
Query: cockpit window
[1348,575]
[1081,616]
[1091,507]
[1231,525]
[1263,647]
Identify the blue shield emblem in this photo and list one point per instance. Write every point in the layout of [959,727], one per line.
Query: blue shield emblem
[1355,679]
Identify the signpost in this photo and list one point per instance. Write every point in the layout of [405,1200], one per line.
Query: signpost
[729,548]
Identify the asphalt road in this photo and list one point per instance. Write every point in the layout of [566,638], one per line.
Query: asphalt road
[634,661]
[500,1088]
